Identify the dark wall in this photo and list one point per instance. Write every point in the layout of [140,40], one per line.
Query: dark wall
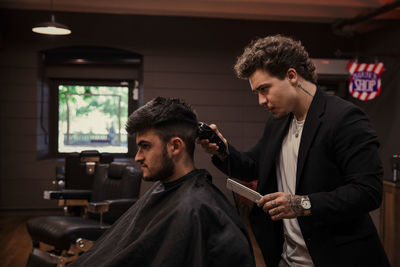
[383,46]
[191,58]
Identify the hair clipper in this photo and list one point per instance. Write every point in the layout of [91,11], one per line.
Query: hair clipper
[205,132]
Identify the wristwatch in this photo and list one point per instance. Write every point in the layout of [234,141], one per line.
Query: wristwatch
[306,205]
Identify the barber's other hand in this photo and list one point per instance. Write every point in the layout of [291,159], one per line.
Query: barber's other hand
[281,205]
[212,148]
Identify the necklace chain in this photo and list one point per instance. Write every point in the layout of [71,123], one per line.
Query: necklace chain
[305,91]
[297,127]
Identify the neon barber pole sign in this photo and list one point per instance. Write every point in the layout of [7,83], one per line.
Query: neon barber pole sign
[365,82]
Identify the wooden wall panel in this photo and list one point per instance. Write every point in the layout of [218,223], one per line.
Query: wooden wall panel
[226,113]
[25,194]
[15,92]
[192,80]
[85,72]
[19,142]
[17,170]
[20,156]
[19,109]
[189,64]
[15,126]
[247,128]
[25,58]
[20,76]
[204,96]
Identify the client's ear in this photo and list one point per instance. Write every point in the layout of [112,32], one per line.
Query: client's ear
[176,145]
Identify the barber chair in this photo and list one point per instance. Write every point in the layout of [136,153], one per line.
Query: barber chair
[58,240]
[80,168]
[78,180]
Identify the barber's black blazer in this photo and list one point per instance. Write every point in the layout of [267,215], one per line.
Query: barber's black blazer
[338,168]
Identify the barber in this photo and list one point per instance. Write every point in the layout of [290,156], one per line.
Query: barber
[317,164]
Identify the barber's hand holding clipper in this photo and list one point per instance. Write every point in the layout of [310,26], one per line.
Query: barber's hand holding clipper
[212,140]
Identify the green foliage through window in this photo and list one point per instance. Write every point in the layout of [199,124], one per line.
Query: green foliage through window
[92,117]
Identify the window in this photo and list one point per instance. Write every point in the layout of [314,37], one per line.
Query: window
[86,94]
[92,116]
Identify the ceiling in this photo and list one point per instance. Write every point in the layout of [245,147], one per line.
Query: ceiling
[282,10]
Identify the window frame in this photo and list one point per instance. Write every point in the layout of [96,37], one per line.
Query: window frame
[133,104]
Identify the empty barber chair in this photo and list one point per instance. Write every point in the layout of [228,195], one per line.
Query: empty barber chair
[80,167]
[58,240]
[78,180]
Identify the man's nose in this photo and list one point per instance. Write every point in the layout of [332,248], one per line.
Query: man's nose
[138,157]
[262,100]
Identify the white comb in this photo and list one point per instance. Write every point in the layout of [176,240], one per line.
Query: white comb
[243,190]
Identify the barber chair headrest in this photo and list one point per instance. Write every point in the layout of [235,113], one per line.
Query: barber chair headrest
[116,169]
[106,157]
[89,158]
[89,153]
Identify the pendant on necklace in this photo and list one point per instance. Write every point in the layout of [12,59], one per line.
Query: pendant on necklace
[296,132]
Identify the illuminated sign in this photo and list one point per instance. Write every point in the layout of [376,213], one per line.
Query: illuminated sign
[365,81]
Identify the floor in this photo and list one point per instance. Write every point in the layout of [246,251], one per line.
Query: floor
[257,252]
[244,208]
[15,243]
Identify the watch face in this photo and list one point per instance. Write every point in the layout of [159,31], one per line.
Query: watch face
[306,204]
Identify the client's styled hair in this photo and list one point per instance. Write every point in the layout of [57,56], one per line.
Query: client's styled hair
[170,117]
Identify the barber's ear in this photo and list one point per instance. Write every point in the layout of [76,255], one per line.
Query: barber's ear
[292,75]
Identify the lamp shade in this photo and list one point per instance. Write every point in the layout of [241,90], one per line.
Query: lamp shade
[51,28]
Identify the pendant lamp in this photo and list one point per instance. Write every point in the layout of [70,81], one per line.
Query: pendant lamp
[51,27]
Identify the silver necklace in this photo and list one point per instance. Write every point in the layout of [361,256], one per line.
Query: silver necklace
[298,125]
[305,91]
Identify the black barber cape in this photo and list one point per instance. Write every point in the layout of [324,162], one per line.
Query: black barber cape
[187,222]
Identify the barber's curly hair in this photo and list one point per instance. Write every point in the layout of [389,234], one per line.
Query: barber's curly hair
[169,117]
[275,54]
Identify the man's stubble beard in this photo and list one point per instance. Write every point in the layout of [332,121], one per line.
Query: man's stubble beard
[167,169]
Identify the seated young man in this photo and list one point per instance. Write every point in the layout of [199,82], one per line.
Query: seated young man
[183,219]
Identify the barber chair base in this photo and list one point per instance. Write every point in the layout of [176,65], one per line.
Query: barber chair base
[61,232]
[63,239]
[40,258]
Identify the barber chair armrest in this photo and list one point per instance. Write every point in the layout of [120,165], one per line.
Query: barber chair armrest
[67,194]
[69,198]
[111,205]
[110,211]
[98,207]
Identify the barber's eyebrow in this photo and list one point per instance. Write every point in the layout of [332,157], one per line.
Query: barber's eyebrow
[262,87]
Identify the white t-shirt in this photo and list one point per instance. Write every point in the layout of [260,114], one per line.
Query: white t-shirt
[295,251]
